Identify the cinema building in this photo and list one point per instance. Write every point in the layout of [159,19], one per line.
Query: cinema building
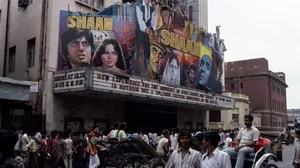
[78,98]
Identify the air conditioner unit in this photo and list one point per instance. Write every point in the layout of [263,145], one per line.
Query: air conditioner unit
[23,3]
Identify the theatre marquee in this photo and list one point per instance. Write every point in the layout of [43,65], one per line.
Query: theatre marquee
[96,81]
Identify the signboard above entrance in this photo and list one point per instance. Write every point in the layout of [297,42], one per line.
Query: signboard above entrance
[106,82]
[100,82]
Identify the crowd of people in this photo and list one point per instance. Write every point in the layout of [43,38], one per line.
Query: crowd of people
[177,148]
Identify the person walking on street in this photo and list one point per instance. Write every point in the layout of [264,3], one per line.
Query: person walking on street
[214,157]
[60,151]
[185,156]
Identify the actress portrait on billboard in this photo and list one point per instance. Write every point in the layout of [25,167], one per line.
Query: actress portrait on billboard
[171,74]
[77,48]
[109,56]
[205,67]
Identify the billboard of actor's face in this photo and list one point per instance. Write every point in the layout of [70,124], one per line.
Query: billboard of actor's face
[109,57]
[156,58]
[80,52]
[192,75]
[173,69]
[205,70]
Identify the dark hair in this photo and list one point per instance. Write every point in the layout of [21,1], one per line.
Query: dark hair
[199,136]
[72,34]
[94,127]
[213,137]
[101,50]
[116,125]
[8,140]
[123,125]
[192,67]
[60,134]
[183,134]
[249,116]
[173,57]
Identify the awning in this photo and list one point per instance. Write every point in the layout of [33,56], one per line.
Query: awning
[11,89]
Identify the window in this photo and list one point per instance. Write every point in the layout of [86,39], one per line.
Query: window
[273,87]
[30,52]
[91,3]
[191,13]
[12,59]
[0,15]
[241,85]
[246,111]
[235,118]
[232,86]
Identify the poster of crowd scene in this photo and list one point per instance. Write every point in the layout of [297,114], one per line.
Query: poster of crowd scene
[150,38]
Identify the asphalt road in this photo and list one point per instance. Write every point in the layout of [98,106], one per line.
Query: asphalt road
[288,156]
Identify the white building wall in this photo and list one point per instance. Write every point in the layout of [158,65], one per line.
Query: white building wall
[3,8]
[241,108]
[203,14]
[24,24]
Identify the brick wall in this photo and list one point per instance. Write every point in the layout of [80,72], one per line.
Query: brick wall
[266,90]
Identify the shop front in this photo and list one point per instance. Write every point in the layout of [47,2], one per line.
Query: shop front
[13,95]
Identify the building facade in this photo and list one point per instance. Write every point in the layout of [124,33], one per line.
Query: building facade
[235,118]
[30,53]
[266,89]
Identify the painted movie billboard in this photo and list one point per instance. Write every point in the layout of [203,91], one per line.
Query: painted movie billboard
[152,40]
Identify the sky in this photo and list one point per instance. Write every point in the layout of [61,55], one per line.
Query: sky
[262,28]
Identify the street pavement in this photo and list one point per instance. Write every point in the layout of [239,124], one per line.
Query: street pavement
[288,156]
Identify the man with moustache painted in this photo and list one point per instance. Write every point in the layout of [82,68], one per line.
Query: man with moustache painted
[77,48]
[191,76]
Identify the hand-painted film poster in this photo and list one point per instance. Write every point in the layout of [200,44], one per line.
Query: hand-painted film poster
[154,40]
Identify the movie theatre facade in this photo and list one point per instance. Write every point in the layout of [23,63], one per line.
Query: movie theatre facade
[145,69]
[88,96]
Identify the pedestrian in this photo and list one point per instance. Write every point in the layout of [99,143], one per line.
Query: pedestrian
[92,148]
[296,162]
[69,151]
[185,156]
[43,151]
[33,153]
[8,139]
[60,149]
[214,157]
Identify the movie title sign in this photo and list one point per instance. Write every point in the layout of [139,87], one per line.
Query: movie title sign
[124,85]
[69,80]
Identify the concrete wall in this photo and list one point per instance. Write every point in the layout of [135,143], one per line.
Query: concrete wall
[3,8]
[50,108]
[241,108]
[24,24]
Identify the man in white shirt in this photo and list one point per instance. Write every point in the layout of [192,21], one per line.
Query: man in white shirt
[174,140]
[214,157]
[245,141]
[162,147]
[114,131]
[24,140]
[144,137]
[144,26]
[185,156]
